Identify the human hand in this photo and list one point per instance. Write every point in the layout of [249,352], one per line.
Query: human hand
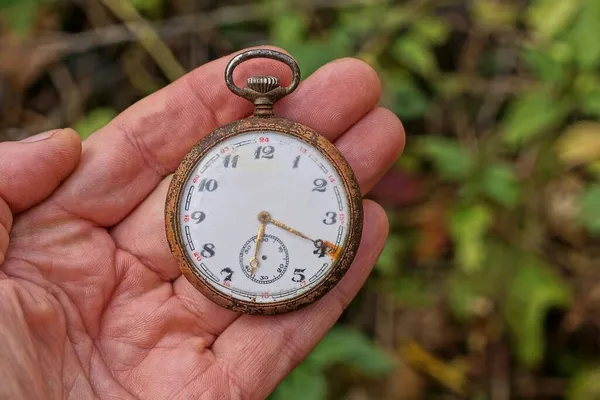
[92,303]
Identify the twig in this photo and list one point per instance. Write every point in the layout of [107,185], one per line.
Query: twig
[173,28]
[148,37]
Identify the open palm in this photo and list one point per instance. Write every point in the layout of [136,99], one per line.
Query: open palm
[93,305]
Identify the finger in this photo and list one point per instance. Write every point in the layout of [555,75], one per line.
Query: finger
[31,170]
[372,146]
[266,349]
[124,161]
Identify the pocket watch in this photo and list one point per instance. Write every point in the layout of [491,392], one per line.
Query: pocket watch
[264,215]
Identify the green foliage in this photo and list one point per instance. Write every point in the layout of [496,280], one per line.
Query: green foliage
[585,33]
[93,121]
[591,103]
[590,209]
[341,346]
[405,97]
[549,17]
[288,31]
[468,226]
[530,116]
[546,65]
[451,160]
[534,291]
[500,184]
[20,15]
[414,53]
[151,8]
[305,382]
[585,385]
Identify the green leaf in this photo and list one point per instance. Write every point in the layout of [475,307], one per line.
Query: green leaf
[544,65]
[494,14]
[469,227]
[452,162]
[148,7]
[21,16]
[406,99]
[530,116]
[95,120]
[470,293]
[591,103]
[590,209]
[305,382]
[585,33]
[534,291]
[431,29]
[549,17]
[350,347]
[412,291]
[388,261]
[585,385]
[500,184]
[415,54]
[10,3]
[288,29]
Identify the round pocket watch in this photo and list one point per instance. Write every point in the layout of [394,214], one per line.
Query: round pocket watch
[264,215]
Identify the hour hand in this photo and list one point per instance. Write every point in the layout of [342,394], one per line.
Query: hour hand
[254,263]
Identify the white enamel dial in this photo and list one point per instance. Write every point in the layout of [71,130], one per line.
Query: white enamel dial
[304,226]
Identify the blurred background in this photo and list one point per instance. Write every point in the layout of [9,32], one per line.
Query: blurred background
[489,287]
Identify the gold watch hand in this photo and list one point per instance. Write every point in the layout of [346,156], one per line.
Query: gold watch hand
[266,217]
[254,263]
[331,249]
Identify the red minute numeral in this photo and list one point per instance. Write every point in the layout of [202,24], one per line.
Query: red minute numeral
[303,150]
[197,255]
[263,139]
[331,178]
[225,149]
[302,283]
[265,295]
[342,218]
[186,218]
[196,178]
[227,284]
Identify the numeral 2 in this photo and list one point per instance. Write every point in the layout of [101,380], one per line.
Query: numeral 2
[320,185]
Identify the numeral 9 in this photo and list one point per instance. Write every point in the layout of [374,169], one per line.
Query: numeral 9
[198,216]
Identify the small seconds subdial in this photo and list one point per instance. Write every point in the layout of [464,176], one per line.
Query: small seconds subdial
[273,259]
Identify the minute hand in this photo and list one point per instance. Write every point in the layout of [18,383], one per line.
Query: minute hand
[289,229]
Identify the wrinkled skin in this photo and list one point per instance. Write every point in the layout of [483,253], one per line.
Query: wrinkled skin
[93,305]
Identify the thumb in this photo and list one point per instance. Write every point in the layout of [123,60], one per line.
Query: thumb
[32,169]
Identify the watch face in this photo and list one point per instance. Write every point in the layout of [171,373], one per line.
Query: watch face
[263,217]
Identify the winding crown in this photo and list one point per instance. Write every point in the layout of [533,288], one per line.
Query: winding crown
[262,83]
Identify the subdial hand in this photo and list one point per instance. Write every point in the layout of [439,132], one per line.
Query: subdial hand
[254,263]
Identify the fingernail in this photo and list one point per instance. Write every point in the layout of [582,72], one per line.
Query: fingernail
[41,136]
